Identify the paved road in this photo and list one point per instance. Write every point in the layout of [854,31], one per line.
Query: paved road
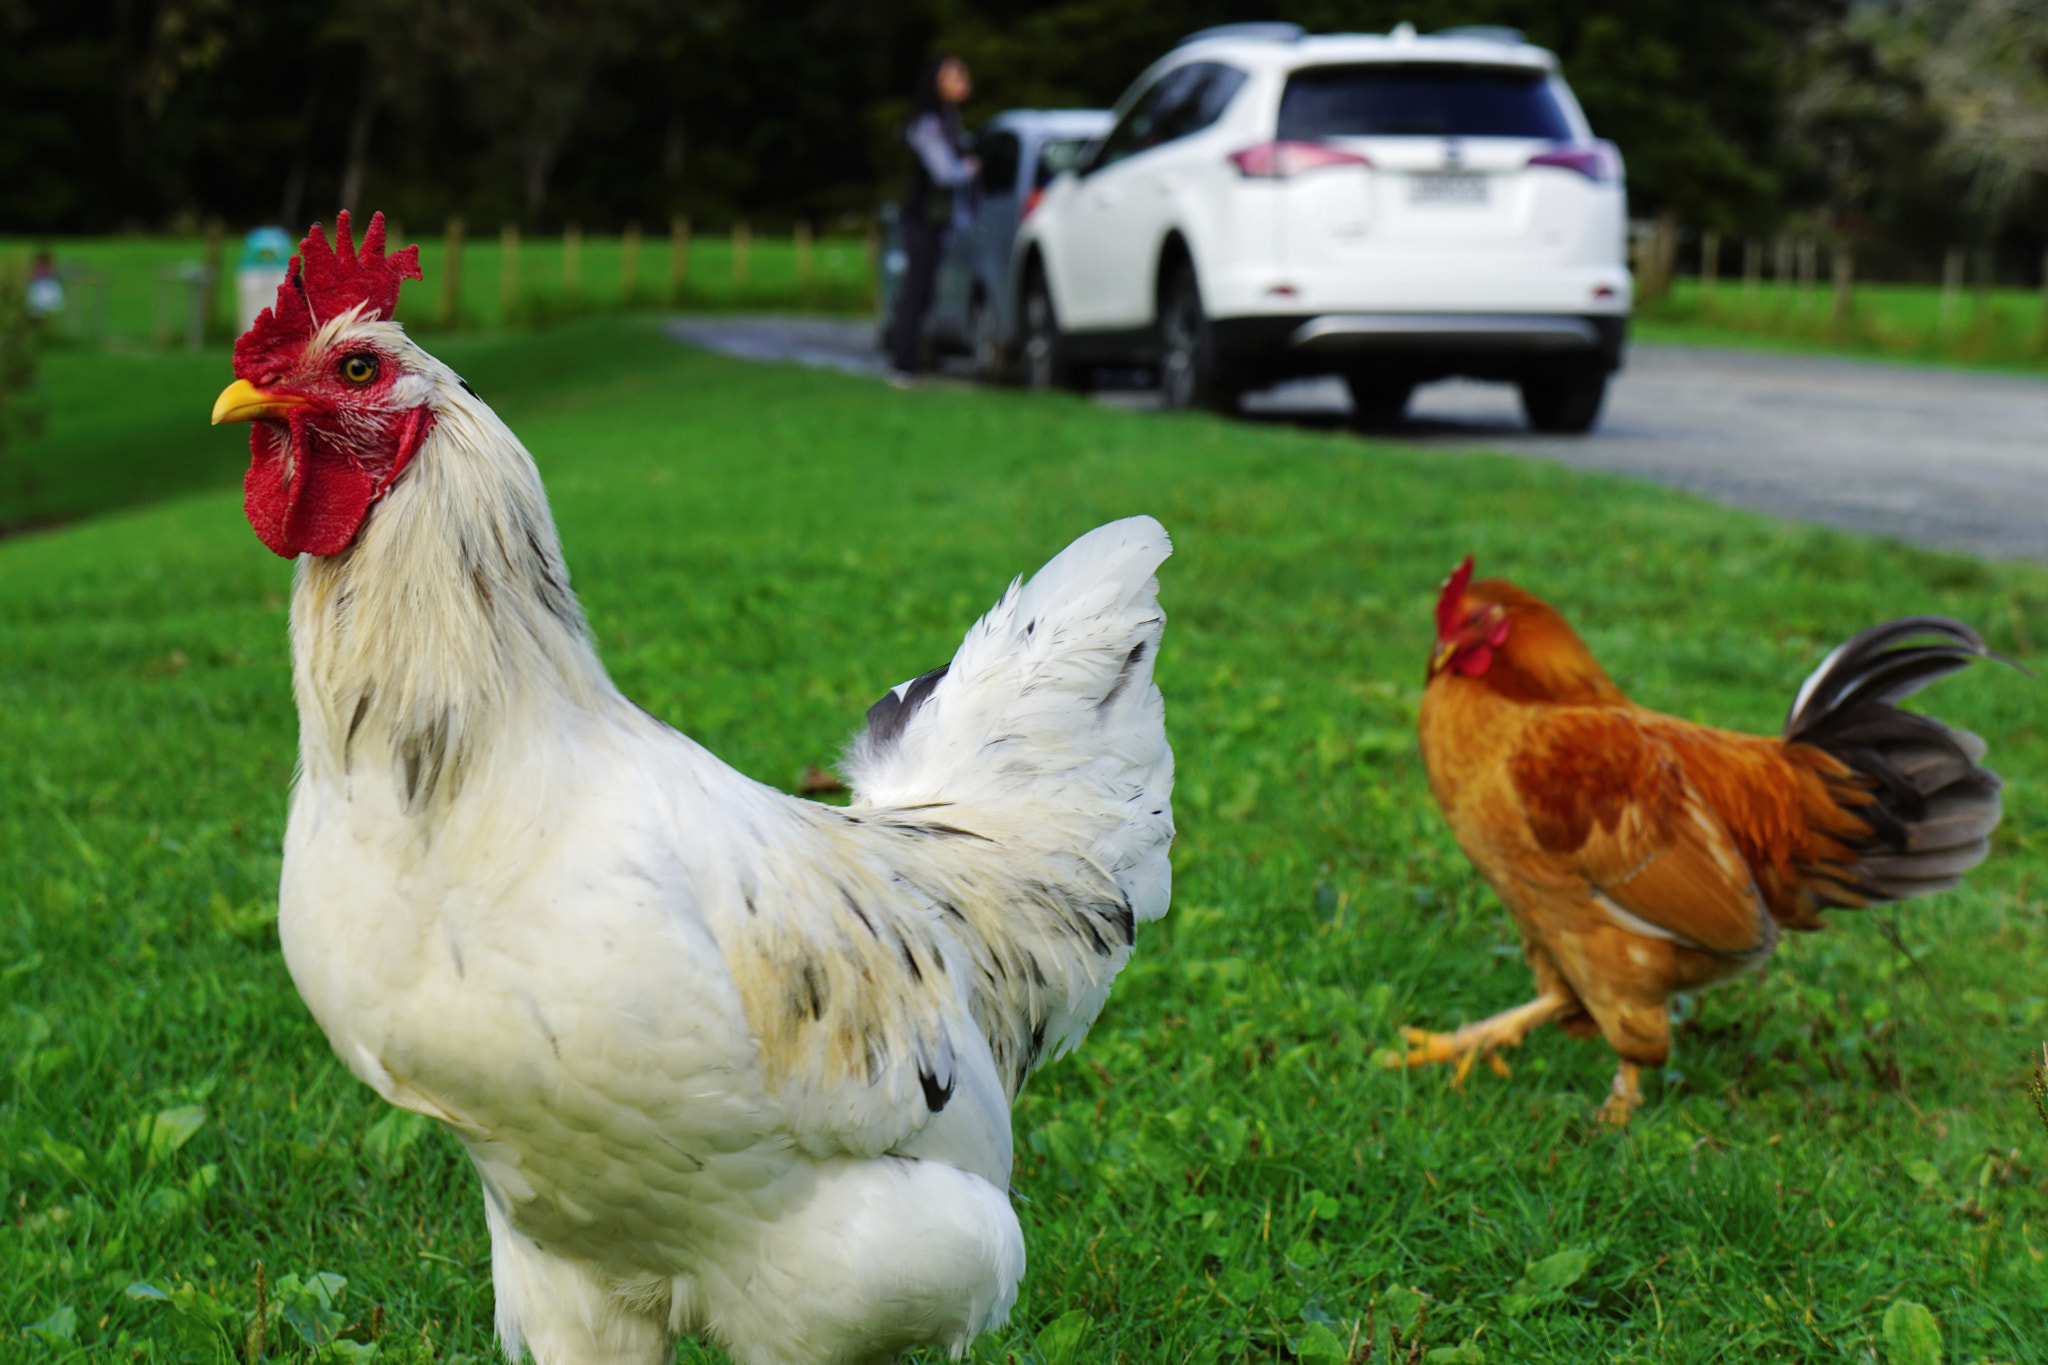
[1941,458]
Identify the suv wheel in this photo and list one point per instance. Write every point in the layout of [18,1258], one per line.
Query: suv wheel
[1564,401]
[1377,401]
[985,342]
[1189,374]
[1044,360]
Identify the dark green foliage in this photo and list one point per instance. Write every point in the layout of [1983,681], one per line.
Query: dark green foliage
[1220,1174]
[611,110]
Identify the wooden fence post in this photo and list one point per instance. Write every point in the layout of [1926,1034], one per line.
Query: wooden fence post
[1667,253]
[1951,286]
[1781,263]
[678,256]
[803,253]
[1809,268]
[1710,262]
[629,264]
[1752,265]
[572,260]
[508,274]
[1845,275]
[451,273]
[742,240]
[2044,295]
[210,287]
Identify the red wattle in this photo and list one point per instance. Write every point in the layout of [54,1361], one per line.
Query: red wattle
[321,509]
[1474,660]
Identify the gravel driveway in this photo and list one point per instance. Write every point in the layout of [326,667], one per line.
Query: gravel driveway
[1943,458]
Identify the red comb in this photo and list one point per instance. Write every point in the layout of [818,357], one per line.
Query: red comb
[321,285]
[1454,592]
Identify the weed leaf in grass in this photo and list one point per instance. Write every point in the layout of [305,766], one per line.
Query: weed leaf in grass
[1059,1342]
[161,1134]
[386,1141]
[1546,1280]
[1321,1345]
[1911,1336]
[1470,1353]
[60,1327]
[312,1305]
[199,1320]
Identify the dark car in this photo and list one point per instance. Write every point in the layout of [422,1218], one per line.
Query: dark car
[972,313]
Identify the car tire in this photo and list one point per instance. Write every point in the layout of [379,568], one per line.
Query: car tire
[1042,359]
[1190,376]
[1378,402]
[985,342]
[1566,402]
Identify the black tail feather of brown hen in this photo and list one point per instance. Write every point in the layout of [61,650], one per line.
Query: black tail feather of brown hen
[1930,805]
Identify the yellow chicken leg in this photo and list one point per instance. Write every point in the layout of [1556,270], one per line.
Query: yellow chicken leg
[1474,1041]
[1625,1097]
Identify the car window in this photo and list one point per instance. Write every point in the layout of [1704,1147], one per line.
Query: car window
[1144,124]
[1060,154]
[998,151]
[1205,101]
[1421,99]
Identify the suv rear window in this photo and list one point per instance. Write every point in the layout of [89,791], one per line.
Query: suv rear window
[1419,100]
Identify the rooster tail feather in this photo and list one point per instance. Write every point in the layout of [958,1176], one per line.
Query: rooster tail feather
[1913,783]
[1045,739]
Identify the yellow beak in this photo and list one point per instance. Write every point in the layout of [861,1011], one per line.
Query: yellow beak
[1444,650]
[242,401]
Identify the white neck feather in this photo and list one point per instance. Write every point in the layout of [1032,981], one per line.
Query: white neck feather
[447,630]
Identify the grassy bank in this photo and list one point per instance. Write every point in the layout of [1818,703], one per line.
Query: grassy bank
[1988,328]
[143,312]
[1220,1174]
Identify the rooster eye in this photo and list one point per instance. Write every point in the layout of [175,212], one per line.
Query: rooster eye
[359,369]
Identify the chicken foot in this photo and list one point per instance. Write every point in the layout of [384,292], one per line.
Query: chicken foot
[1484,1039]
[1624,1097]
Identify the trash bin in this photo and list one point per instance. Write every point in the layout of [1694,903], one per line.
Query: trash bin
[265,254]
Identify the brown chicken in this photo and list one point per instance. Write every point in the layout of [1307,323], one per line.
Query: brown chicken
[1642,855]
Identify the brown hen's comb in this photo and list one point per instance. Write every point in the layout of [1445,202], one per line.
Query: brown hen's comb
[1454,592]
[321,285]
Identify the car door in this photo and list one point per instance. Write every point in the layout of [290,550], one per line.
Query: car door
[1106,282]
[996,209]
[959,258]
[1178,171]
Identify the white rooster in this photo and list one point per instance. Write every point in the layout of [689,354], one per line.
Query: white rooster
[728,1062]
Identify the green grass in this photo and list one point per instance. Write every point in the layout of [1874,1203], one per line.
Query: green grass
[2003,329]
[840,279]
[1220,1173]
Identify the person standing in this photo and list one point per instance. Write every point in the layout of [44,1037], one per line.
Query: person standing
[933,203]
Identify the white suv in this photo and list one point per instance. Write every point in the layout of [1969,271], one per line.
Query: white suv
[1390,208]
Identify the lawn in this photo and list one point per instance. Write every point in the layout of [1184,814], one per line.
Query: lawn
[1221,1173]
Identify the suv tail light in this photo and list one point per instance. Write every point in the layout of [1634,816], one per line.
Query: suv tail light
[1285,160]
[1031,202]
[1597,161]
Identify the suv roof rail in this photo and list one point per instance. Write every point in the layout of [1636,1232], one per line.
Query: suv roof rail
[1270,32]
[1485,33]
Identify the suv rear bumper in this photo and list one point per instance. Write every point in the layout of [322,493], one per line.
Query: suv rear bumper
[1423,345]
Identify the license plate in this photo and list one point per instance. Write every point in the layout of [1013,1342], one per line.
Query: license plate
[1447,189]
